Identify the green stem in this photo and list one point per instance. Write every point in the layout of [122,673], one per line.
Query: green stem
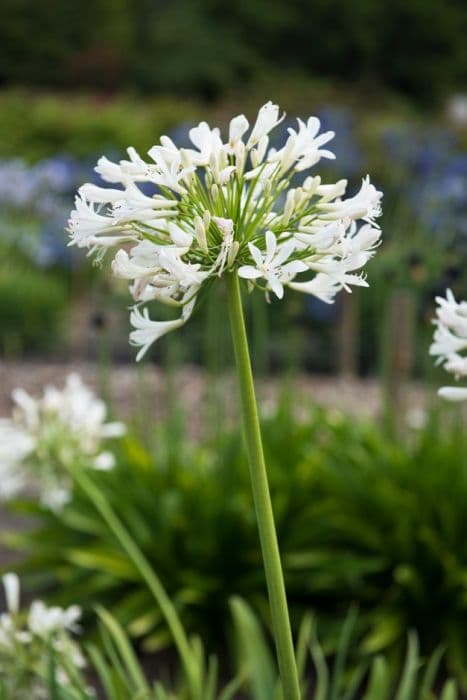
[262,498]
[147,574]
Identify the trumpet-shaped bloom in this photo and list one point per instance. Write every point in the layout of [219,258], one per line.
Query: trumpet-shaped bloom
[449,340]
[272,265]
[227,207]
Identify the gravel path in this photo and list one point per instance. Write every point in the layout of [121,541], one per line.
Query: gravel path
[127,384]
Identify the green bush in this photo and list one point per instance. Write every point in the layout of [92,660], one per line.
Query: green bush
[32,308]
[360,518]
[35,127]
[206,46]
[120,673]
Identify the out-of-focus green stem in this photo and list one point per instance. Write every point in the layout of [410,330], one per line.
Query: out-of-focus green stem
[262,498]
[148,574]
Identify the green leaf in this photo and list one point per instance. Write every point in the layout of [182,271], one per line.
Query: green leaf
[379,682]
[409,674]
[449,691]
[125,650]
[253,651]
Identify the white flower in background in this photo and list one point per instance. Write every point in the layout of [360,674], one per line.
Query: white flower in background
[449,340]
[63,424]
[26,642]
[44,621]
[234,206]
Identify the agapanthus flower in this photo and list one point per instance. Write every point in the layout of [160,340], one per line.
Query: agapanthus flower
[227,206]
[450,341]
[29,639]
[43,433]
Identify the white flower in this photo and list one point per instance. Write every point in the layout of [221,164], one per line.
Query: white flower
[322,286]
[416,418]
[366,204]
[208,142]
[147,332]
[43,620]
[15,446]
[453,393]
[449,340]
[11,586]
[64,424]
[227,207]
[55,497]
[271,265]
[303,147]
[238,127]
[267,119]
[104,461]
[27,641]
[445,343]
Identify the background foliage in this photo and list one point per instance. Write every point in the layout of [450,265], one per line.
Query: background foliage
[361,519]
[226,44]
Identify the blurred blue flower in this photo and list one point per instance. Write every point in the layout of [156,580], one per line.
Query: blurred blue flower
[430,172]
[344,144]
[35,201]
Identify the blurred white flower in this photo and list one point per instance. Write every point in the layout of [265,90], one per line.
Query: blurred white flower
[416,418]
[26,643]
[63,424]
[11,586]
[449,340]
[43,620]
[453,393]
[227,207]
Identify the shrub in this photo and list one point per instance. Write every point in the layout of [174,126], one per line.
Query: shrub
[360,518]
[32,307]
[35,127]
[205,47]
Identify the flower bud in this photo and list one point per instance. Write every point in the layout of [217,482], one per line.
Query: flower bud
[200,232]
[207,219]
[240,156]
[238,126]
[233,253]
[254,157]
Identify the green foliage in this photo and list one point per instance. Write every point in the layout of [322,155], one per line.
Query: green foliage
[360,518]
[36,127]
[32,307]
[344,678]
[207,46]
[121,675]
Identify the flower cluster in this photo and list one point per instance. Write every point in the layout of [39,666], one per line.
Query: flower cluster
[29,644]
[233,206]
[45,433]
[449,341]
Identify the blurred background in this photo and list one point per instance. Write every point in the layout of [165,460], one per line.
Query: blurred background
[79,79]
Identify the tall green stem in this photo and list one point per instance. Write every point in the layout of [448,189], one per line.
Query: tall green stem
[262,498]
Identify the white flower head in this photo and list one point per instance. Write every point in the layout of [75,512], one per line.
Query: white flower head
[226,205]
[67,424]
[27,639]
[43,620]
[449,341]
